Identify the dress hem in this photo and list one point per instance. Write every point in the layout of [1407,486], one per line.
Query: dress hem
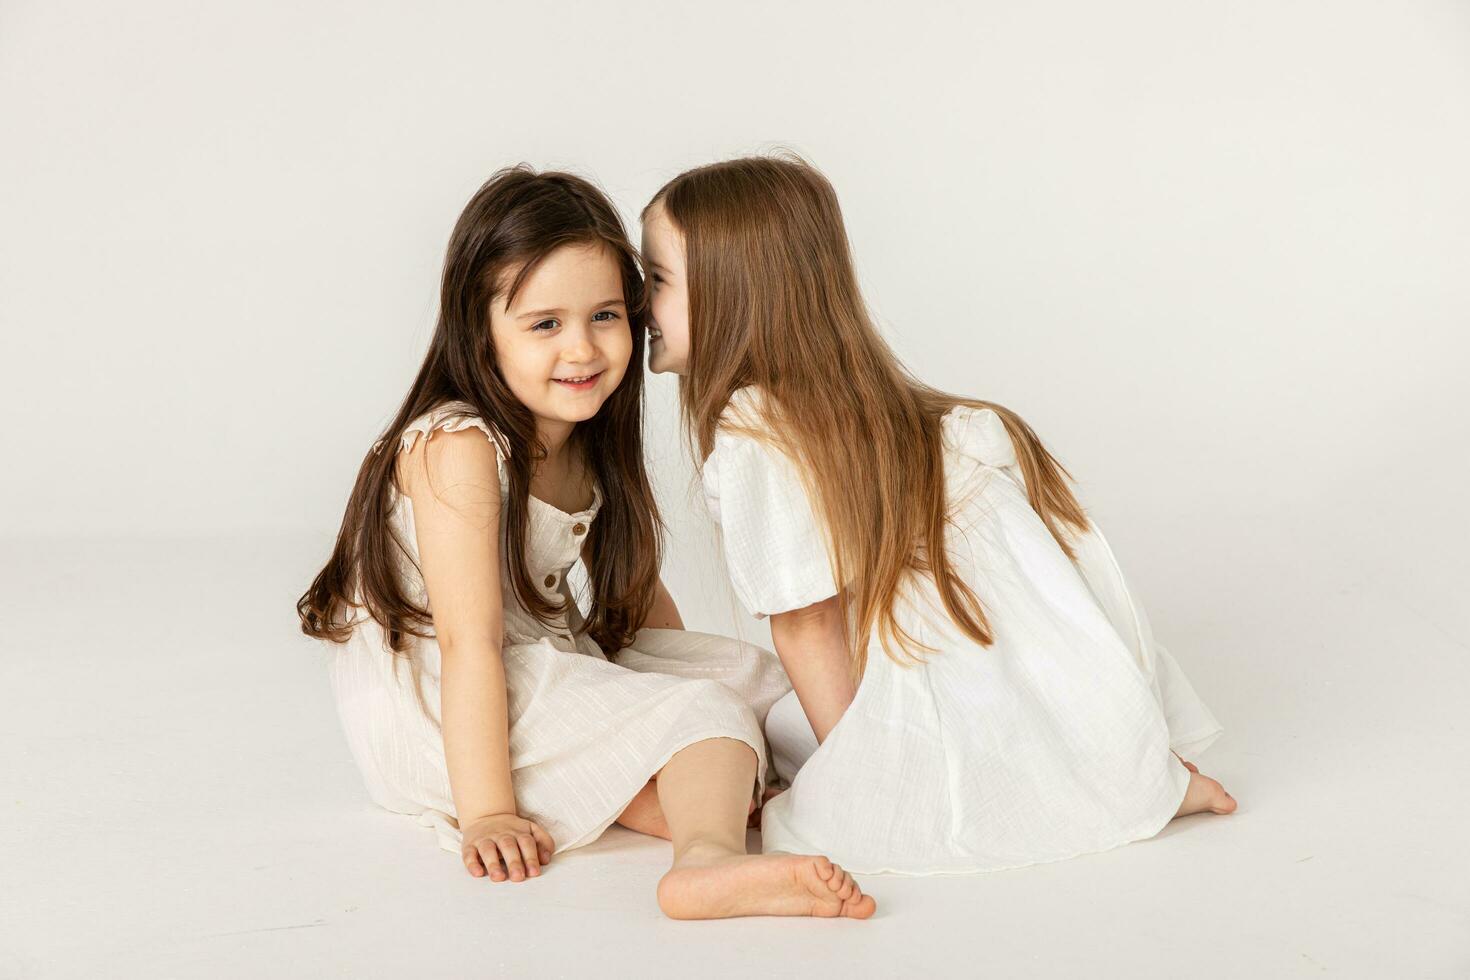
[589,837]
[1128,837]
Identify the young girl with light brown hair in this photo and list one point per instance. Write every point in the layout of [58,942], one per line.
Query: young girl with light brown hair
[473,692]
[979,688]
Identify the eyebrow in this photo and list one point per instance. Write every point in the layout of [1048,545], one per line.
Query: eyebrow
[652,264]
[607,302]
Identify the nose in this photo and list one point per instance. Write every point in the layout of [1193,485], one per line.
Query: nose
[579,348]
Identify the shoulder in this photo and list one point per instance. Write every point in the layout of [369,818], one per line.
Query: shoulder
[451,449]
[742,429]
[745,409]
[451,419]
[748,463]
[978,431]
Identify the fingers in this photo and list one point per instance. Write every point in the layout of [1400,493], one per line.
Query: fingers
[491,859]
[510,853]
[545,846]
[527,845]
[472,862]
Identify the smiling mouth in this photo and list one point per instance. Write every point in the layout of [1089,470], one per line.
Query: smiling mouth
[654,333]
[586,381]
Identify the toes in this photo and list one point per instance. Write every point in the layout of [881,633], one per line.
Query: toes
[838,877]
[825,868]
[1219,800]
[860,908]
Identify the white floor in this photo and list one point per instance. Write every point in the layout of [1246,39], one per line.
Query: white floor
[178,802]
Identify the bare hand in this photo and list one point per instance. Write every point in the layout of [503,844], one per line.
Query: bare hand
[504,845]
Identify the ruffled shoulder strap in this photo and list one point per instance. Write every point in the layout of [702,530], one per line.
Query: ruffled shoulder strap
[450,417]
[455,417]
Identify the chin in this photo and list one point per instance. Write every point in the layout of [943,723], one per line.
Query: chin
[659,364]
[581,413]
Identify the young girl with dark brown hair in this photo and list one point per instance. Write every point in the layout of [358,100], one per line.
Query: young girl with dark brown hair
[473,691]
[979,688]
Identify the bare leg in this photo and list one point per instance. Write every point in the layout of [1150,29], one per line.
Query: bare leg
[705,793]
[644,815]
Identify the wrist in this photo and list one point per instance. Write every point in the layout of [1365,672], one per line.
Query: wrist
[486,814]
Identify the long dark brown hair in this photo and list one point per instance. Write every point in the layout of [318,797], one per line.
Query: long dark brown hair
[774,302]
[514,221]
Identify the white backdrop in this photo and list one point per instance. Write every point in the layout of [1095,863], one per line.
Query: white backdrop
[1216,253]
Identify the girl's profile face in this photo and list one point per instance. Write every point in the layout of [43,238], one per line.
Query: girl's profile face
[668,328]
[563,344]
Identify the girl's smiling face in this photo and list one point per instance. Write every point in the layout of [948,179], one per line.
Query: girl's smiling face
[563,343]
[668,328]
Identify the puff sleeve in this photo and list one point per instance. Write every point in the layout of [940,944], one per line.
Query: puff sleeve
[774,544]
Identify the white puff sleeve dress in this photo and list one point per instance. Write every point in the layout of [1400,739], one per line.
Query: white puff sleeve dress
[586,734]
[1052,742]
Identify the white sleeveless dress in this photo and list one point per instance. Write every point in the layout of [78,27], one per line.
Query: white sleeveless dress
[586,734]
[1052,742]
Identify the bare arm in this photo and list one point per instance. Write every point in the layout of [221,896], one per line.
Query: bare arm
[454,484]
[812,645]
[664,614]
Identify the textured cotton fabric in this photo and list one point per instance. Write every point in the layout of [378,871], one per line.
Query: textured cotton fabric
[586,734]
[1053,741]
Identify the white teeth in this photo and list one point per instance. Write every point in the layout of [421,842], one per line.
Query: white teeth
[576,380]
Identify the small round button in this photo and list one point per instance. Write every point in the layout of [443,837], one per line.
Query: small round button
[550,581]
[579,528]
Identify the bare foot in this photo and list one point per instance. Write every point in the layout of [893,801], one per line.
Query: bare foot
[1204,794]
[1187,764]
[720,884]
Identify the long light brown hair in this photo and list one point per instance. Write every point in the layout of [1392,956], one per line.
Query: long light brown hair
[514,221]
[774,302]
